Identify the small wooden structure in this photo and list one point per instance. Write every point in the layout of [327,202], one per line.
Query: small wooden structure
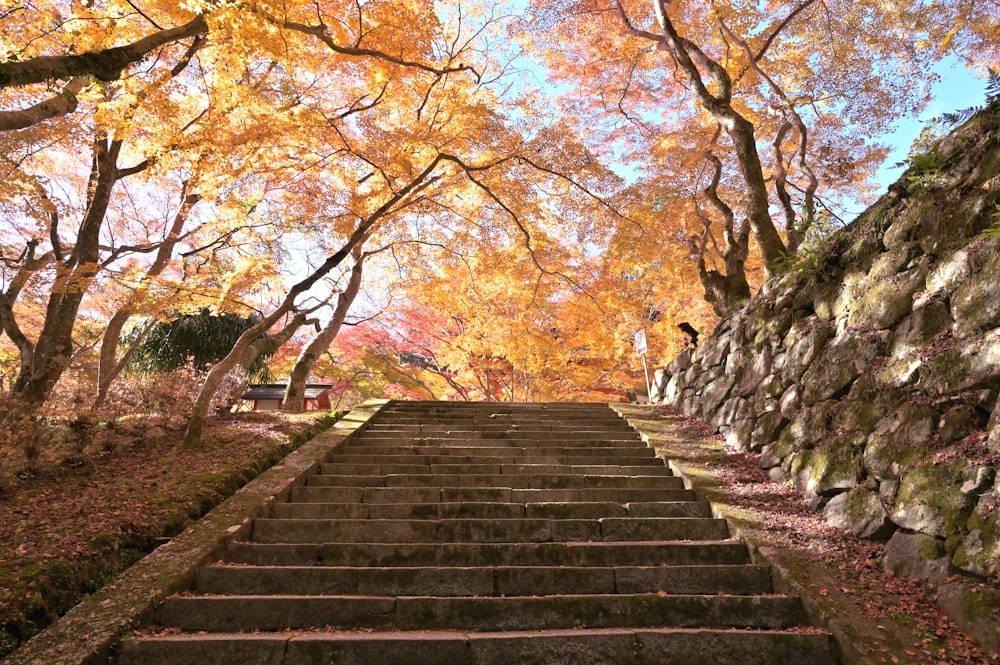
[269,397]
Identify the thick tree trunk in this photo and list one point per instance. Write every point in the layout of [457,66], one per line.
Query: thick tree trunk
[725,293]
[741,131]
[729,291]
[700,71]
[295,392]
[74,274]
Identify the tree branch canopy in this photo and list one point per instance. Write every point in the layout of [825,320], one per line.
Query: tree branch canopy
[319,32]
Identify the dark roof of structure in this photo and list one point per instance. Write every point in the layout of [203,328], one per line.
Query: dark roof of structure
[277,391]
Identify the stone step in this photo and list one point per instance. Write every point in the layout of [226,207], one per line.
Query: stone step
[616,426]
[437,409]
[486,533]
[557,454]
[569,439]
[399,433]
[462,530]
[277,613]
[482,581]
[315,494]
[494,510]
[502,412]
[611,422]
[433,406]
[514,481]
[498,422]
[347,455]
[618,646]
[664,553]
[335,468]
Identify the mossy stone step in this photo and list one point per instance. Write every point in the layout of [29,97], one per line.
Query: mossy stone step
[516,481]
[654,646]
[349,455]
[487,530]
[278,612]
[664,553]
[498,409]
[492,510]
[482,580]
[619,427]
[561,454]
[618,646]
[514,438]
[336,467]
[482,494]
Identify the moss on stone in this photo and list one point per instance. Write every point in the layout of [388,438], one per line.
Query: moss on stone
[887,300]
[930,500]
[974,303]
[830,467]
[899,441]
[978,549]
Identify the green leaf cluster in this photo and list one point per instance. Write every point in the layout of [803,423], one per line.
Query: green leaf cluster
[200,339]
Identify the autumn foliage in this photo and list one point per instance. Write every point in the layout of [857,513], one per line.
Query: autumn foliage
[524,184]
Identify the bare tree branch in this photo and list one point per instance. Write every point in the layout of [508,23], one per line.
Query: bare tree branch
[319,32]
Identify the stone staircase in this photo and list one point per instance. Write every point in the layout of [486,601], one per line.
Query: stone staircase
[468,534]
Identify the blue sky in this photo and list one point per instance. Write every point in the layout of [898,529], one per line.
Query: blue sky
[959,88]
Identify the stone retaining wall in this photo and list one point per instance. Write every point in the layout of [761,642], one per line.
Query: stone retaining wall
[868,375]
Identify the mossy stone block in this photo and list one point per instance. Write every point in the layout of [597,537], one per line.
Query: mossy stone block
[979,550]
[861,512]
[831,467]
[976,610]
[886,301]
[930,500]
[899,441]
[975,304]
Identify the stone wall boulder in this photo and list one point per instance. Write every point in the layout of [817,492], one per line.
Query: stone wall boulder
[861,512]
[930,499]
[917,556]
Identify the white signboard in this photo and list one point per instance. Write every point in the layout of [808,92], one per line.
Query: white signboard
[640,342]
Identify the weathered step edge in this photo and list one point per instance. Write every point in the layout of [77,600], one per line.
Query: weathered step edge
[88,632]
[625,646]
[856,637]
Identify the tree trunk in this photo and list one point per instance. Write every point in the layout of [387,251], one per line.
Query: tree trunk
[695,65]
[214,378]
[247,349]
[295,392]
[741,131]
[109,365]
[74,274]
[725,293]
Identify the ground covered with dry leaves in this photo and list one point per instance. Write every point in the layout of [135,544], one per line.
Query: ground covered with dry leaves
[70,527]
[787,522]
